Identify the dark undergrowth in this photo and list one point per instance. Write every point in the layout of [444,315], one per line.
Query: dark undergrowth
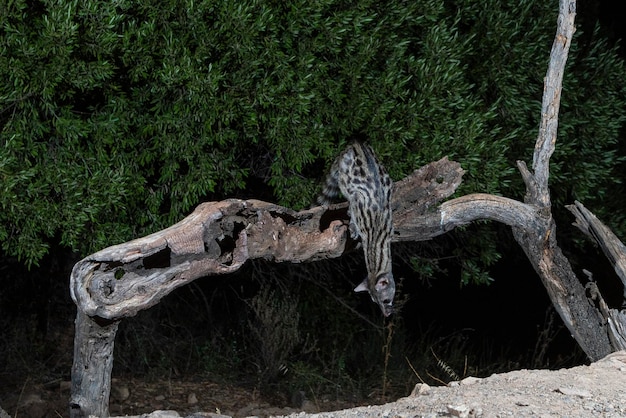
[288,329]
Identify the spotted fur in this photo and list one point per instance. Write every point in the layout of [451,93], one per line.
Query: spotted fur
[358,176]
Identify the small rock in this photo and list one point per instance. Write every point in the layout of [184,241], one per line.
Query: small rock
[34,406]
[159,398]
[31,398]
[192,399]
[476,412]
[470,380]
[309,406]
[460,411]
[582,393]
[252,409]
[120,392]
[3,413]
[421,389]
[163,414]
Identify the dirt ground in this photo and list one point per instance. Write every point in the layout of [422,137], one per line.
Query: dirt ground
[597,390]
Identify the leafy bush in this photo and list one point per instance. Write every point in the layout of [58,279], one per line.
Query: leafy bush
[117,118]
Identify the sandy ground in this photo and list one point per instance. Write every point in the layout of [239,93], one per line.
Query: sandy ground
[584,391]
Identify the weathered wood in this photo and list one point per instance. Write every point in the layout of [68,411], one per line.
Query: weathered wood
[611,246]
[462,211]
[615,319]
[615,251]
[546,140]
[91,370]
[219,237]
[565,290]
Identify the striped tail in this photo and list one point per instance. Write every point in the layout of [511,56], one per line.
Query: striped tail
[331,191]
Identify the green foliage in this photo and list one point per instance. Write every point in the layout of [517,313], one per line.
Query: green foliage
[117,118]
[508,66]
[588,165]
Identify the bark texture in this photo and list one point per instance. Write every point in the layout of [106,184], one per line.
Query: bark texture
[539,243]
[615,251]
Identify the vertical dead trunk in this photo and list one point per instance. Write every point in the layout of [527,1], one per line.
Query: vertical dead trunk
[93,362]
[566,291]
[539,243]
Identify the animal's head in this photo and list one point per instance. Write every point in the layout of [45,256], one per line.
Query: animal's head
[382,290]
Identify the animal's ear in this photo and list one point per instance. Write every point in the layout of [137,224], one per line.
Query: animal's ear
[362,287]
[382,283]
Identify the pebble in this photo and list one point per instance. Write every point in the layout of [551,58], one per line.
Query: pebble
[421,389]
[470,380]
[581,393]
[460,411]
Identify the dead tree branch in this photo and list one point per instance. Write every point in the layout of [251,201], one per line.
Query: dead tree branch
[540,245]
[615,251]
[611,246]
[217,238]
[544,147]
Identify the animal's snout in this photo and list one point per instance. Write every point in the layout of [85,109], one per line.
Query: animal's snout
[387,308]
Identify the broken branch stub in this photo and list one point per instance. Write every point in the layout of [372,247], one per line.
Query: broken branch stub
[611,246]
[615,252]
